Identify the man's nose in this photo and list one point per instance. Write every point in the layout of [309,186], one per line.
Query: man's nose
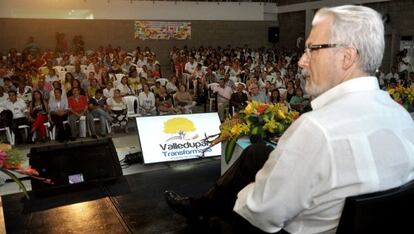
[303,61]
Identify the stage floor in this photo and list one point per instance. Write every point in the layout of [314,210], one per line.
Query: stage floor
[133,204]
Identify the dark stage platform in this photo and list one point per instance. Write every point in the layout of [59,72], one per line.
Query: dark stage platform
[133,204]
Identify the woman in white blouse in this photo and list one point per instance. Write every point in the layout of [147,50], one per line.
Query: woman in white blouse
[118,106]
[172,85]
[124,87]
[147,101]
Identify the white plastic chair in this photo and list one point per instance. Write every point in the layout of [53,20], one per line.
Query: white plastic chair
[237,84]
[49,133]
[59,69]
[211,99]
[283,92]
[163,81]
[8,135]
[82,128]
[118,78]
[132,112]
[26,132]
[70,68]
[108,125]
[84,69]
[139,69]
[61,76]
[53,132]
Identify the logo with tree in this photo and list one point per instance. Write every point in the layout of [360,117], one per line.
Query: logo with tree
[182,127]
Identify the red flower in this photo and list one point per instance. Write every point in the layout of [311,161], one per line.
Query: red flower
[261,109]
[2,158]
[27,171]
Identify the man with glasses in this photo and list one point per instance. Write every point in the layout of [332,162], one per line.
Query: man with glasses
[356,140]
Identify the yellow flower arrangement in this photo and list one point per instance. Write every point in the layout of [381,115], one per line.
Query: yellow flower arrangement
[404,96]
[259,119]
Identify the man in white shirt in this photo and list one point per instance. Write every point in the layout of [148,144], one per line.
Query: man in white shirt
[127,64]
[3,96]
[357,140]
[78,74]
[404,63]
[257,95]
[223,97]
[189,68]
[51,77]
[20,112]
[392,74]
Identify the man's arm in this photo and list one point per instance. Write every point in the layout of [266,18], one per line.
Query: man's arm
[284,187]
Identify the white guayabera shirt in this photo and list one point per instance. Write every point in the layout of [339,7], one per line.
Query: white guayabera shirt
[356,140]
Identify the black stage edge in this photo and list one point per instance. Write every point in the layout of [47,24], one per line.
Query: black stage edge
[132,204]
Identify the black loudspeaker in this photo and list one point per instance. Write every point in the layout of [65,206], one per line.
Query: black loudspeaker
[273,34]
[75,164]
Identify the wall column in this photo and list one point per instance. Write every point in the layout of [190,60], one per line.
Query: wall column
[308,25]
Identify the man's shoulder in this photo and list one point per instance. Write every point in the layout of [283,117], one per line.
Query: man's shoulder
[7,102]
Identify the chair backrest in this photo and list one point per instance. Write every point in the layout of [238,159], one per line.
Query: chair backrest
[211,87]
[84,68]
[70,68]
[238,83]
[132,102]
[387,211]
[163,81]
[118,78]
[59,68]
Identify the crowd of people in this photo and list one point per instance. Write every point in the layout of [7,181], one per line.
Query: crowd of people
[60,87]
[63,88]
[235,75]
[402,73]
[266,75]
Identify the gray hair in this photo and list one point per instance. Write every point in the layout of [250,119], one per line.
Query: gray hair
[358,27]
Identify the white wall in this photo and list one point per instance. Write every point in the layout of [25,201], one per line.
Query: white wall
[323,3]
[310,7]
[142,10]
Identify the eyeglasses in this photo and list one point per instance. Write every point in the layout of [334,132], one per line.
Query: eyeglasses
[310,48]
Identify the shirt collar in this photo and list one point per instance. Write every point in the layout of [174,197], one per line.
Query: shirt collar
[354,85]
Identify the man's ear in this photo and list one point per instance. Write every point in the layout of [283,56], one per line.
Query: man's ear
[350,57]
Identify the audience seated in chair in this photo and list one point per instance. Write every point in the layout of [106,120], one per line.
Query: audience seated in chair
[58,107]
[171,86]
[99,109]
[118,109]
[257,95]
[238,100]
[183,100]
[164,102]
[78,105]
[147,101]
[20,113]
[38,115]
[124,87]
[224,93]
[298,102]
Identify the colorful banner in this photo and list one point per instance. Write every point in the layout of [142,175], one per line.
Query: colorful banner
[158,30]
[177,137]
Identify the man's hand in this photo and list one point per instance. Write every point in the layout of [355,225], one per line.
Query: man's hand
[60,112]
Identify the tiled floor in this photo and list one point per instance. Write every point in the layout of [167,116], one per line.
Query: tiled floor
[124,144]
